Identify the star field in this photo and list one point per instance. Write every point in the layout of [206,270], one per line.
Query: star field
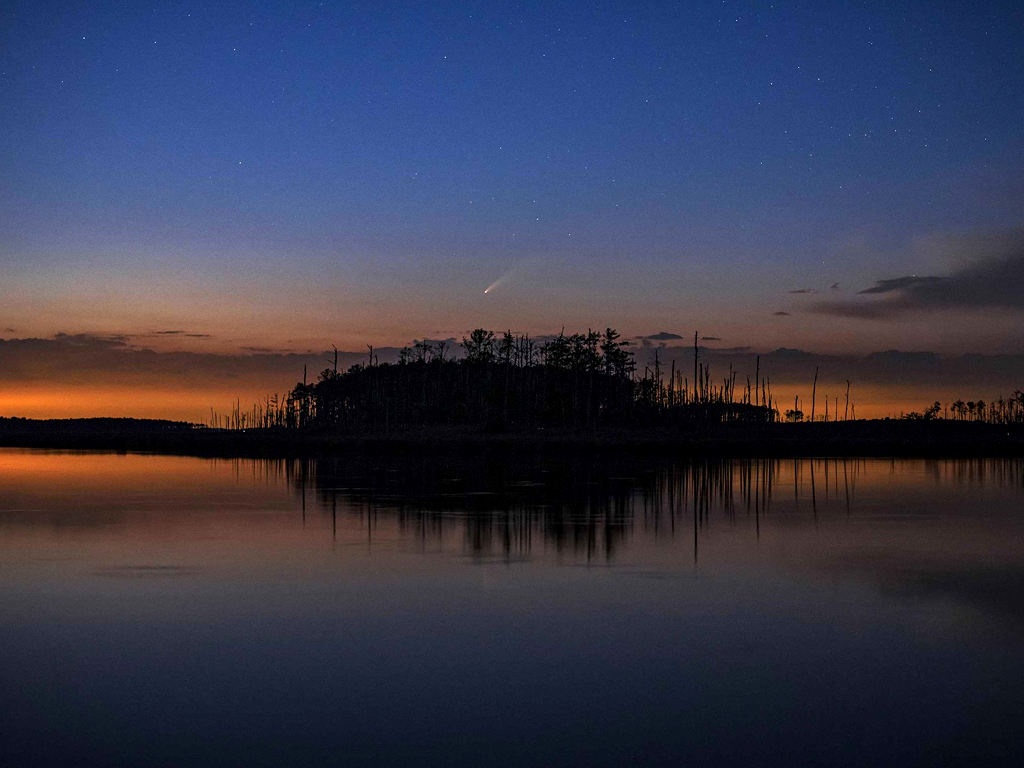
[380,162]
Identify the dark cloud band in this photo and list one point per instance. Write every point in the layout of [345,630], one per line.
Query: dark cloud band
[992,278]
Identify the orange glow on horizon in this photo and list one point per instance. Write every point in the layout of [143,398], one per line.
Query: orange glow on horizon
[193,403]
[50,401]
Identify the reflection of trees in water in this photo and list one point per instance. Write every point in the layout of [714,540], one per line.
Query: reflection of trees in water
[508,503]
[503,505]
[496,504]
[513,503]
[997,473]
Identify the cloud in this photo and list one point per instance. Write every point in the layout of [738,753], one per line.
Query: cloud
[899,284]
[91,358]
[835,288]
[93,340]
[183,334]
[709,338]
[991,277]
[884,382]
[804,290]
[450,341]
[781,314]
[662,336]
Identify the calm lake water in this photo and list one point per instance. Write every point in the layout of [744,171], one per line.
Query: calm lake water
[509,610]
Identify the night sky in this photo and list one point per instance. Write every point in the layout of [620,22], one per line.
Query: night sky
[292,175]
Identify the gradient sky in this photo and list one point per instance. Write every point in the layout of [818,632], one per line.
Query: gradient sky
[291,175]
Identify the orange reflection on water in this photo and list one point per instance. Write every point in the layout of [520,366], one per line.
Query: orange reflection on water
[63,511]
[133,508]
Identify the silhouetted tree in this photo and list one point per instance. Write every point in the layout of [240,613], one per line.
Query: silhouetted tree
[479,346]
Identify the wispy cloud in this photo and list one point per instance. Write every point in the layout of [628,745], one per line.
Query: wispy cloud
[662,336]
[991,278]
[900,284]
[91,357]
[93,340]
[182,334]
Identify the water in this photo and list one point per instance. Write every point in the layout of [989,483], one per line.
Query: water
[497,610]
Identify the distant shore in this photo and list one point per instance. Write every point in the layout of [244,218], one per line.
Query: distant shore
[864,438]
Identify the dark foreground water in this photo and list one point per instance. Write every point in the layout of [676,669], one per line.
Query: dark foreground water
[499,610]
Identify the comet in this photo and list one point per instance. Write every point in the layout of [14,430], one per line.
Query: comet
[515,269]
[496,283]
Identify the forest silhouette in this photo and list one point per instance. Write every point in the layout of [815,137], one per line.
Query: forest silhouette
[578,381]
[570,389]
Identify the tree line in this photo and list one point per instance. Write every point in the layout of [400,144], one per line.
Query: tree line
[999,411]
[512,381]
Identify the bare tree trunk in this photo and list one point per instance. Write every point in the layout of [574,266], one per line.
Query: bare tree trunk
[814,389]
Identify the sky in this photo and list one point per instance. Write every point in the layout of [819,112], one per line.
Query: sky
[245,178]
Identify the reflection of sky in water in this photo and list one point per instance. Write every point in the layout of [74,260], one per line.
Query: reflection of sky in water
[483,610]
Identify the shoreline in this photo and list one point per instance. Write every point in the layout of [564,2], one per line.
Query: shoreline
[850,439]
